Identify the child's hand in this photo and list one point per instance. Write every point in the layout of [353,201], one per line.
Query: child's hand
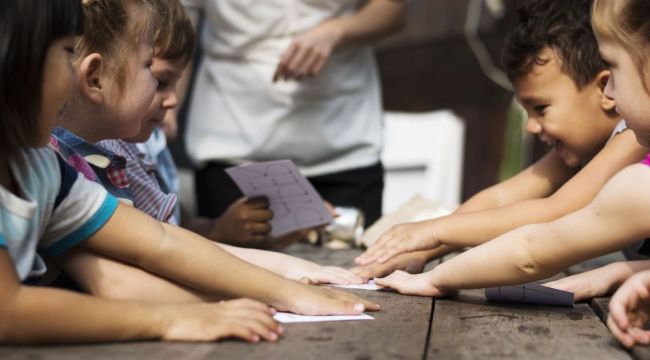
[246,223]
[308,53]
[314,274]
[399,239]
[408,284]
[585,285]
[629,310]
[245,319]
[411,263]
[319,300]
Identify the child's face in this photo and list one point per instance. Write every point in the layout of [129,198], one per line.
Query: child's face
[167,74]
[572,121]
[58,77]
[131,105]
[625,86]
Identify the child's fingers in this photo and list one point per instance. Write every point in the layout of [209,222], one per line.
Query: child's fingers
[639,335]
[338,276]
[619,334]
[260,326]
[349,276]
[371,255]
[618,313]
[367,304]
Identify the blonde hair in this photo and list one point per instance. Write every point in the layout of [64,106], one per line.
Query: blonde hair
[175,38]
[626,22]
[115,31]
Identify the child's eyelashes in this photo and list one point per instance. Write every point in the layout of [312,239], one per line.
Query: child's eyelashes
[70,50]
[540,109]
[162,83]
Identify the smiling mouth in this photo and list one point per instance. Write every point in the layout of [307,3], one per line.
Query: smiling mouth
[553,144]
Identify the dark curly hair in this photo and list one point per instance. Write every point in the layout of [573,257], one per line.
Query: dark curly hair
[562,25]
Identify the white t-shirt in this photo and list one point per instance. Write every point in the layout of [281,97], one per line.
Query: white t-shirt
[326,124]
[55,210]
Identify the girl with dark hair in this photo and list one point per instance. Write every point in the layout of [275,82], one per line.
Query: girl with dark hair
[47,206]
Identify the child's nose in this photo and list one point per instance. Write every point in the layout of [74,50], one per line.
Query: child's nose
[171,101]
[533,126]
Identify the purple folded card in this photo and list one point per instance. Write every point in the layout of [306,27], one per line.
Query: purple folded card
[530,293]
[293,200]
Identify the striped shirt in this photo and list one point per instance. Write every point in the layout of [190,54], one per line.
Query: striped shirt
[147,187]
[54,210]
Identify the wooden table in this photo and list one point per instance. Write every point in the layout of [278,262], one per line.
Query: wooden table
[465,327]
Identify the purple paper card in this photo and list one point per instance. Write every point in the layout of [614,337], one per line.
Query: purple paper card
[295,203]
[530,293]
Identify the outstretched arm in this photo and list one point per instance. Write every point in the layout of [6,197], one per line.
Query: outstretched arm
[454,230]
[32,314]
[533,252]
[192,261]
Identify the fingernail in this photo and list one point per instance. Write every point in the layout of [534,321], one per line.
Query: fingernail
[273,336]
[256,339]
[280,330]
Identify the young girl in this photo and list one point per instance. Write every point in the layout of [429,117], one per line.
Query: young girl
[552,58]
[190,264]
[623,31]
[99,274]
[44,204]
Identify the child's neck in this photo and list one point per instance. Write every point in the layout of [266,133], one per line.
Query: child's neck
[84,121]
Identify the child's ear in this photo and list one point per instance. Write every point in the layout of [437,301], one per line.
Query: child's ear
[90,77]
[606,103]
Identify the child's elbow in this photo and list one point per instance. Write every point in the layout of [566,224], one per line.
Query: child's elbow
[526,261]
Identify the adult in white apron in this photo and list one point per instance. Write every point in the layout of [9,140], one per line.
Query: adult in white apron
[290,79]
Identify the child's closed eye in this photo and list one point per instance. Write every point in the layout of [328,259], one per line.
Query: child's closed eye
[540,109]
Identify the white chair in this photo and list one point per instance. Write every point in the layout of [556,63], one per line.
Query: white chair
[423,154]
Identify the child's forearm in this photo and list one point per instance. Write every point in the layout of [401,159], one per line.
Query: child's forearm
[213,270]
[620,271]
[189,259]
[477,227]
[42,315]
[272,261]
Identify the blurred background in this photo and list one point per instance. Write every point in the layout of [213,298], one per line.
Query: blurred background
[452,127]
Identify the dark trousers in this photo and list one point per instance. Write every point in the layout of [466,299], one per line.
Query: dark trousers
[361,188]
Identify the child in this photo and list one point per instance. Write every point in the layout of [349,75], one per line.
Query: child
[44,204]
[105,277]
[613,220]
[114,90]
[154,184]
[552,58]
[622,29]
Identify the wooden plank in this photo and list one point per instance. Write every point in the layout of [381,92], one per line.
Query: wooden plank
[399,331]
[468,327]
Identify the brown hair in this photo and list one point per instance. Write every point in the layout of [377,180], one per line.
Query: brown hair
[628,24]
[113,30]
[175,38]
